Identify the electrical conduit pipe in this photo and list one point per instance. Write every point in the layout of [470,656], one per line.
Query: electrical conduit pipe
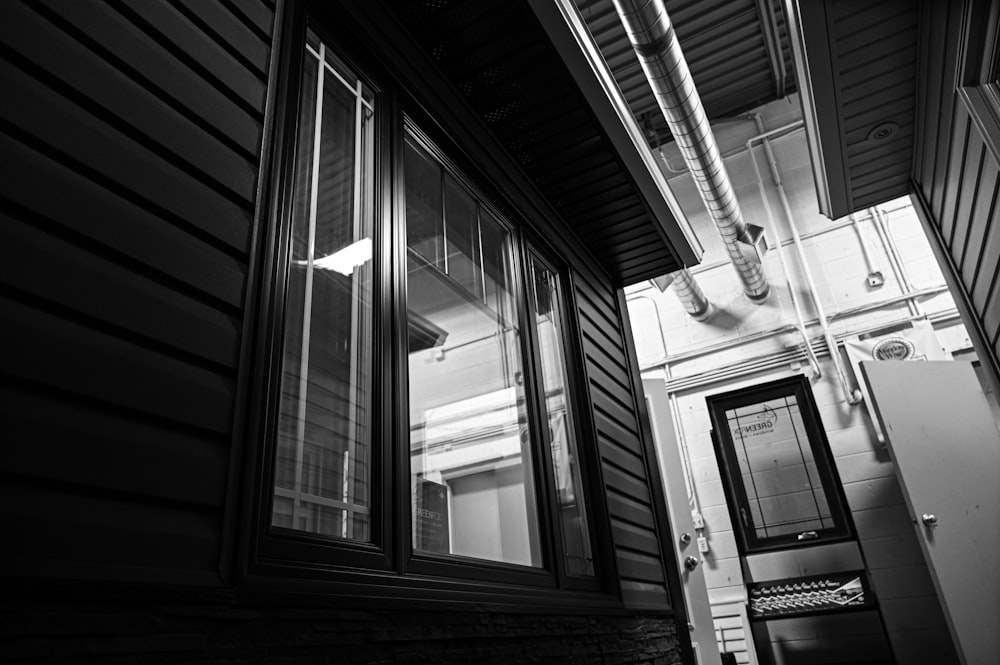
[853,395]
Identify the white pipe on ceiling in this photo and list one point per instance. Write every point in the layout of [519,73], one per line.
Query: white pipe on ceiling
[792,292]
[853,395]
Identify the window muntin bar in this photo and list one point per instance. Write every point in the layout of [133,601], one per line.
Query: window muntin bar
[326,58]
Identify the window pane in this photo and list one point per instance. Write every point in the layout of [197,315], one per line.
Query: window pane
[424,209]
[322,474]
[493,243]
[462,237]
[784,491]
[471,468]
[562,443]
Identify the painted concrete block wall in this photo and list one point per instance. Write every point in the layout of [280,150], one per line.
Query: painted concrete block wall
[889,546]
[688,355]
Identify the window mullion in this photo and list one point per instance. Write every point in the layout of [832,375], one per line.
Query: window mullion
[546,443]
[395,452]
[538,417]
[300,426]
[444,221]
[359,309]
[482,261]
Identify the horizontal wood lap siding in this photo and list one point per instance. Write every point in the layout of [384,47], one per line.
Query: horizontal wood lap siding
[132,135]
[623,464]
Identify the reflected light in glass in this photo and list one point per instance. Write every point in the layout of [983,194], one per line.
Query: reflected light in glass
[347,259]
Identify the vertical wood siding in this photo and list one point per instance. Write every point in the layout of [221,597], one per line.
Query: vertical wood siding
[956,170]
[131,135]
[966,214]
[625,468]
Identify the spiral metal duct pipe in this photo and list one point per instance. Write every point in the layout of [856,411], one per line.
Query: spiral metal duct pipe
[687,291]
[655,42]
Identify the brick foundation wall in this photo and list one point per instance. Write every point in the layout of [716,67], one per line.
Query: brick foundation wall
[126,634]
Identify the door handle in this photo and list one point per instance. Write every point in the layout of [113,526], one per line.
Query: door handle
[690,563]
[808,535]
[930,520]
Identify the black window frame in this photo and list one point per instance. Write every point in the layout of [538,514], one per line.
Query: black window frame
[289,550]
[390,557]
[737,498]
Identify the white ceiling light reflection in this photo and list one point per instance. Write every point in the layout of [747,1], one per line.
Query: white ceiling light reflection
[345,260]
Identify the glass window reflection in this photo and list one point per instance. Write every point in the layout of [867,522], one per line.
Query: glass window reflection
[549,331]
[471,468]
[322,469]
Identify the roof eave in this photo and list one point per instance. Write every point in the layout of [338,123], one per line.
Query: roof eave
[816,79]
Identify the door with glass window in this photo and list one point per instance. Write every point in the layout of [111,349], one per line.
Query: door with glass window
[780,481]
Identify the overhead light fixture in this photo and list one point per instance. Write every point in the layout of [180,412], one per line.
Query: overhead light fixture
[882,131]
[347,259]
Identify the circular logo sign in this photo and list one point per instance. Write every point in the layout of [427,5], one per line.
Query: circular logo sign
[894,348]
[768,417]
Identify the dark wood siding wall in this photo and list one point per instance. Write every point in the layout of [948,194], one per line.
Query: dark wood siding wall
[131,136]
[956,168]
[940,34]
[627,471]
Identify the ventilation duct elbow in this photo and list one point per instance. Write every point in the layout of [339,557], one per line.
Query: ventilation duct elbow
[688,292]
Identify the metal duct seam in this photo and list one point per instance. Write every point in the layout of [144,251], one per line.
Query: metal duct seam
[654,41]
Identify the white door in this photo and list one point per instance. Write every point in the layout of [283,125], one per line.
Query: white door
[695,592]
[944,441]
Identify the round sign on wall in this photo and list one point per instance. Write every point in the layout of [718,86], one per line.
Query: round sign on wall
[893,348]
